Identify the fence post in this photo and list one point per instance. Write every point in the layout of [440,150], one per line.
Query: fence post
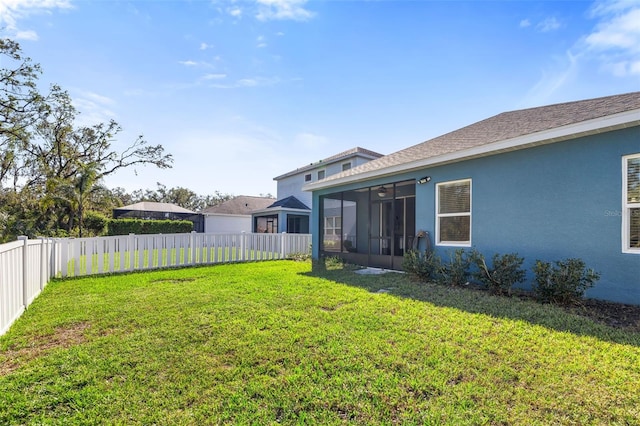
[25,288]
[192,243]
[282,243]
[53,269]
[64,256]
[132,253]
[43,263]
[243,245]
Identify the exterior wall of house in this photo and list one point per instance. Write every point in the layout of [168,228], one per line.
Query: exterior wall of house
[292,185]
[227,223]
[551,202]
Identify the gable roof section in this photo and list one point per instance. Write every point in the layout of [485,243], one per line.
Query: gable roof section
[353,152]
[240,205]
[290,202]
[152,206]
[504,132]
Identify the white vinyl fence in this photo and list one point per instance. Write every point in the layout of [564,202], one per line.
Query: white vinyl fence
[26,266]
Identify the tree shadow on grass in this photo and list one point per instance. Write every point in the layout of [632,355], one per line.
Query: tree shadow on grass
[581,320]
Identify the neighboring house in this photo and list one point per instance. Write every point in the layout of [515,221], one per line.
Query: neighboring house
[233,215]
[292,210]
[158,211]
[549,183]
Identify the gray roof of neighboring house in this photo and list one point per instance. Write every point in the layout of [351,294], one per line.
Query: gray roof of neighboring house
[353,152]
[152,206]
[502,127]
[241,205]
[290,202]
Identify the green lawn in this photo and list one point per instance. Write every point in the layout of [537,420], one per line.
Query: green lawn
[275,342]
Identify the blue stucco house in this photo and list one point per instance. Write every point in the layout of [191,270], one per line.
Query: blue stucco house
[549,183]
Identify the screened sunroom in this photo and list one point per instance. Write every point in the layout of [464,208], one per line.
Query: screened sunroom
[371,226]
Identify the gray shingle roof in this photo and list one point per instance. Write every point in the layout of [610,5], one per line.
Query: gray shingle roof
[357,151]
[290,202]
[501,127]
[242,204]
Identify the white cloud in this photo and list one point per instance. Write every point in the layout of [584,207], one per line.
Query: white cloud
[100,99]
[26,35]
[265,10]
[525,23]
[548,25]
[615,40]
[283,10]
[261,42]
[205,46]
[544,26]
[248,82]
[213,76]
[618,32]
[94,108]
[12,11]
[236,12]
[197,64]
[612,46]
[552,80]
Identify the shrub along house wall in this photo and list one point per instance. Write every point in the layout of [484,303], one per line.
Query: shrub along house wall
[548,203]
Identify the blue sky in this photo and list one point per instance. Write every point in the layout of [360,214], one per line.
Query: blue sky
[241,91]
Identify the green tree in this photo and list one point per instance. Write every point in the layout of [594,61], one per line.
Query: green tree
[20,104]
[179,196]
[55,164]
[73,161]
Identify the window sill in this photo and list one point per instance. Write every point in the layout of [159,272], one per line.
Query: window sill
[454,244]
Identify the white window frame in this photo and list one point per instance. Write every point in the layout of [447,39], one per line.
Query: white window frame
[307,177]
[324,172]
[331,221]
[441,215]
[627,206]
[347,165]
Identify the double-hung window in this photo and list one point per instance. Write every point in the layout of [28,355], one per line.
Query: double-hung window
[631,203]
[453,213]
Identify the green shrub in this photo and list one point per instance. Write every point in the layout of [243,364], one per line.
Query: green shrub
[422,265]
[456,271]
[94,223]
[504,273]
[334,262]
[299,257]
[563,283]
[140,226]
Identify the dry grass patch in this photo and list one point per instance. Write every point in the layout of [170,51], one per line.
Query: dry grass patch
[37,346]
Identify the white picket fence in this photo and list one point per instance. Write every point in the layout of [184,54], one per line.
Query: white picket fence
[26,266]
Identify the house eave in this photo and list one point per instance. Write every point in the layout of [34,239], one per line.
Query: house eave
[280,209]
[244,215]
[324,163]
[573,131]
